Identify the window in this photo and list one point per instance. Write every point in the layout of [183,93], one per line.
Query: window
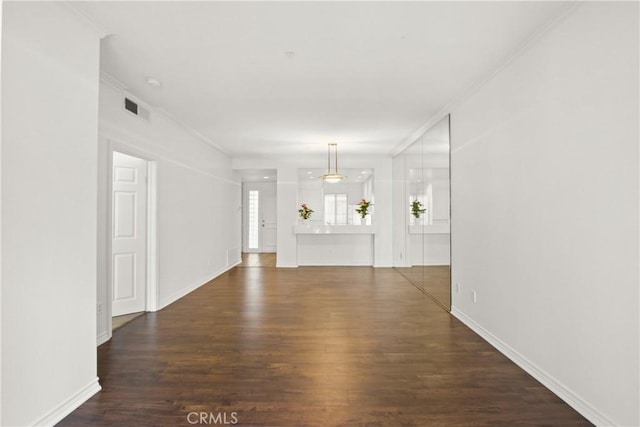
[253,218]
[335,209]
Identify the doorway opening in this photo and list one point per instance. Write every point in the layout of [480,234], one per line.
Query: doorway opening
[260,214]
[132,287]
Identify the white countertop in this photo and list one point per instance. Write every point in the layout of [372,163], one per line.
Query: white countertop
[333,229]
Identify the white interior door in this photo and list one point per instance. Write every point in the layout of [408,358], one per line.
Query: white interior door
[129,234]
[268,221]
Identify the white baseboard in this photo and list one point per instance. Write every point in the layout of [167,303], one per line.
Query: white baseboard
[559,389]
[188,289]
[69,405]
[286,265]
[103,338]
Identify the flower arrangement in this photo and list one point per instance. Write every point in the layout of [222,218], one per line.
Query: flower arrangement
[363,210]
[304,211]
[417,209]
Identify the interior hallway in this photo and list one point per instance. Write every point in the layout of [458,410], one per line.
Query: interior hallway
[313,346]
[258,260]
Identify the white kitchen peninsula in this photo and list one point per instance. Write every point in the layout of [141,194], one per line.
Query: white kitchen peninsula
[335,245]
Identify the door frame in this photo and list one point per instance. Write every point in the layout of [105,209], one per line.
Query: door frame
[151,287]
[255,186]
[262,248]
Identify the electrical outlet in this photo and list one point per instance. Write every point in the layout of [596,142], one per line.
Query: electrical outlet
[457,288]
[99,308]
[474,296]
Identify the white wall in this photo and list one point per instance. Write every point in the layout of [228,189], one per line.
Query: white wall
[198,199]
[1,8]
[383,212]
[50,65]
[401,239]
[545,210]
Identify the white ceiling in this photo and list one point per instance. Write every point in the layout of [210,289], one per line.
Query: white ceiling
[364,74]
[259,175]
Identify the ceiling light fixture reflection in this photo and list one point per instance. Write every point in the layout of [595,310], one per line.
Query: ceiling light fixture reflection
[332,177]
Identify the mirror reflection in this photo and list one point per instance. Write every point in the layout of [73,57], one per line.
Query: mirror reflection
[423,170]
[337,203]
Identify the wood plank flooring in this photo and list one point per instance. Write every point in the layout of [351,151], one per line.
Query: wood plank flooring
[119,321]
[313,346]
[258,260]
[433,280]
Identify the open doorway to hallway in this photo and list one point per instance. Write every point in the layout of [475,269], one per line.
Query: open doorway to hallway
[260,215]
[258,260]
[131,210]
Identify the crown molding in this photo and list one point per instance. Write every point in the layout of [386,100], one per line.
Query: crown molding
[201,137]
[112,81]
[119,86]
[96,28]
[474,87]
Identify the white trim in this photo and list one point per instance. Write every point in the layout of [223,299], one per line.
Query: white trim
[69,405]
[113,82]
[485,79]
[85,19]
[570,397]
[118,85]
[286,265]
[188,289]
[151,287]
[1,9]
[413,137]
[152,236]
[109,239]
[103,338]
[208,141]
[112,132]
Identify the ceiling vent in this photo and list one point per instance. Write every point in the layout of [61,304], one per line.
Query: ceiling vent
[135,108]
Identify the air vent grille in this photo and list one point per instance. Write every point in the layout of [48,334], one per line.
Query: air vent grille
[131,106]
[134,108]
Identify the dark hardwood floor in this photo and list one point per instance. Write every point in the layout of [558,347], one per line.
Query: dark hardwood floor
[433,280]
[313,346]
[258,260]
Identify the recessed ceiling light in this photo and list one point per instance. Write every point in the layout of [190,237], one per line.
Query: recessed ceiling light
[153,82]
[309,172]
[265,177]
[363,172]
[290,54]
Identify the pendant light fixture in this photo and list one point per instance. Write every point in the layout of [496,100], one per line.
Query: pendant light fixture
[332,177]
